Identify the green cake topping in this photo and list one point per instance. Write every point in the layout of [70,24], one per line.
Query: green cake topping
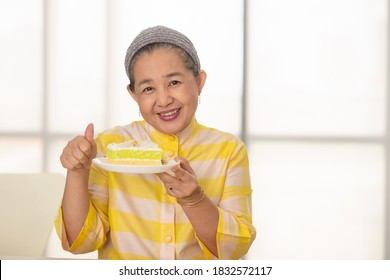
[132,150]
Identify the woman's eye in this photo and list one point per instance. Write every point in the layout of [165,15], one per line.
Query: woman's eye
[147,89]
[175,83]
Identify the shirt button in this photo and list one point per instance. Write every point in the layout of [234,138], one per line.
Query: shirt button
[168,238]
[172,138]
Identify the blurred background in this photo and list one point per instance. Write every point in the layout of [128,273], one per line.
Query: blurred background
[303,83]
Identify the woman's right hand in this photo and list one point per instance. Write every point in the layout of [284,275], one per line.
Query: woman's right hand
[79,152]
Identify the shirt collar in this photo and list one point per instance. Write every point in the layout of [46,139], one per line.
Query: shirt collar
[160,138]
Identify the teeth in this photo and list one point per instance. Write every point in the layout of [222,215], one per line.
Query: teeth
[169,113]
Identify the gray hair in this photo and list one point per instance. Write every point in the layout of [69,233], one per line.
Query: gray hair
[161,36]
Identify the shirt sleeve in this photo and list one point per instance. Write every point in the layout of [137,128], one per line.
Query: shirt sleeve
[235,231]
[88,239]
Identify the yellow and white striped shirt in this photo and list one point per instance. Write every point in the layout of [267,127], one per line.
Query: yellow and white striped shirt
[132,217]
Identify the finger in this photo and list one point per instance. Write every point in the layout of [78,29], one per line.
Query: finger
[71,163]
[89,132]
[177,174]
[78,153]
[185,165]
[169,181]
[180,173]
[85,148]
[89,135]
[65,163]
[80,157]
[165,177]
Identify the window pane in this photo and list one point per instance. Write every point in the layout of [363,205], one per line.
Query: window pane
[20,155]
[21,64]
[54,152]
[318,201]
[318,67]
[76,64]
[216,32]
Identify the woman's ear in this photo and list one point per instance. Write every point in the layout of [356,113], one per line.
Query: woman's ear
[133,95]
[201,80]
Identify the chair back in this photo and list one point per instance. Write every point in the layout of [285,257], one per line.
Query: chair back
[28,208]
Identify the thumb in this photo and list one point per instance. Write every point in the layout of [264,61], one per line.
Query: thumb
[89,132]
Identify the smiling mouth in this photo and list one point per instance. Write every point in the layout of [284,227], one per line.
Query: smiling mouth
[169,115]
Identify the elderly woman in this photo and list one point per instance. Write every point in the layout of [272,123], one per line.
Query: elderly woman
[200,209]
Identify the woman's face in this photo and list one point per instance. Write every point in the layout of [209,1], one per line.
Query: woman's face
[165,90]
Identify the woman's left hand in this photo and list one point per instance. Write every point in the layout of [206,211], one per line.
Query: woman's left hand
[183,183]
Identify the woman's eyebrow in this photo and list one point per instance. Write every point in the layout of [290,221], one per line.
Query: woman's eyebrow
[170,75]
[144,81]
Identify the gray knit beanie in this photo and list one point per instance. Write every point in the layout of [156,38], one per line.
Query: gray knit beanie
[160,34]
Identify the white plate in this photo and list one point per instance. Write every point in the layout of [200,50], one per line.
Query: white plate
[131,169]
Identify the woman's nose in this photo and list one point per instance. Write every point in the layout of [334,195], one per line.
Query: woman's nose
[164,98]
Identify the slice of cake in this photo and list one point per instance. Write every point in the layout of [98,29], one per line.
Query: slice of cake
[133,153]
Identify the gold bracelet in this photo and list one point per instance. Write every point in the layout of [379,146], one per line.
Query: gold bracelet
[192,200]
